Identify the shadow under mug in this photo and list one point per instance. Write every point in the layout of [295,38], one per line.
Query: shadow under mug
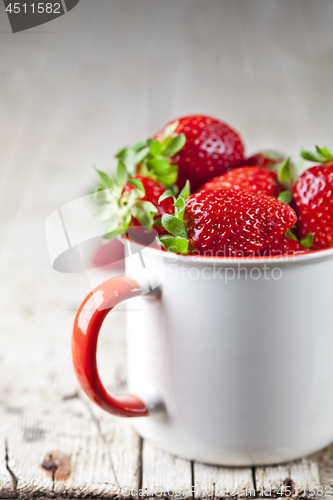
[229,360]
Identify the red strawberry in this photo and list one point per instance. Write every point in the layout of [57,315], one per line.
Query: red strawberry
[313,204]
[227,222]
[264,159]
[211,148]
[283,246]
[257,179]
[153,190]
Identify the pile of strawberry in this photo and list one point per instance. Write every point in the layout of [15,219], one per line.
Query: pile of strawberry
[228,205]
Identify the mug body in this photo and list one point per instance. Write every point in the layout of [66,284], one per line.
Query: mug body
[235,354]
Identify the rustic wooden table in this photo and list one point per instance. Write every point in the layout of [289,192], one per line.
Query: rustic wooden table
[72,92]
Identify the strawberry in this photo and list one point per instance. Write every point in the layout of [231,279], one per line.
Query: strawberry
[257,179]
[131,198]
[283,246]
[313,199]
[264,159]
[211,148]
[153,190]
[226,222]
[134,203]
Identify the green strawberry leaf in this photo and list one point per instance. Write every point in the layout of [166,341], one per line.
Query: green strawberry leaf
[186,191]
[284,172]
[307,241]
[137,146]
[285,197]
[167,194]
[106,212]
[125,154]
[158,222]
[101,195]
[174,145]
[140,156]
[121,174]
[174,225]
[142,216]
[138,185]
[155,147]
[171,244]
[106,181]
[113,224]
[180,206]
[325,153]
[173,188]
[169,130]
[290,235]
[307,155]
[114,233]
[158,165]
[148,207]
[169,176]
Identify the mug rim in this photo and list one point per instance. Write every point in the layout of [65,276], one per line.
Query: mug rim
[312,255]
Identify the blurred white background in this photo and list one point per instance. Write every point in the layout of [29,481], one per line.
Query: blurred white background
[110,72]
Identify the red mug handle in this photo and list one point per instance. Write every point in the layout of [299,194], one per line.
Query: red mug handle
[87,325]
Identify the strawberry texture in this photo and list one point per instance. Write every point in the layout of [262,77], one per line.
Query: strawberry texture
[227,222]
[283,246]
[313,204]
[257,179]
[212,147]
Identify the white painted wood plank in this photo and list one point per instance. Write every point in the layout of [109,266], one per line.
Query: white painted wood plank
[164,472]
[302,476]
[324,460]
[222,481]
[102,450]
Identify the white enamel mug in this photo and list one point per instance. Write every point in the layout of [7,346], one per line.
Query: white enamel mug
[230,360]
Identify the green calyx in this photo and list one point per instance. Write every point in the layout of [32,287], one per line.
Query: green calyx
[117,208]
[290,235]
[177,240]
[151,158]
[284,172]
[286,175]
[307,241]
[285,197]
[148,158]
[174,244]
[322,155]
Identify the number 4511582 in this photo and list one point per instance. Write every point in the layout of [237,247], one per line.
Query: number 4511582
[39,8]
